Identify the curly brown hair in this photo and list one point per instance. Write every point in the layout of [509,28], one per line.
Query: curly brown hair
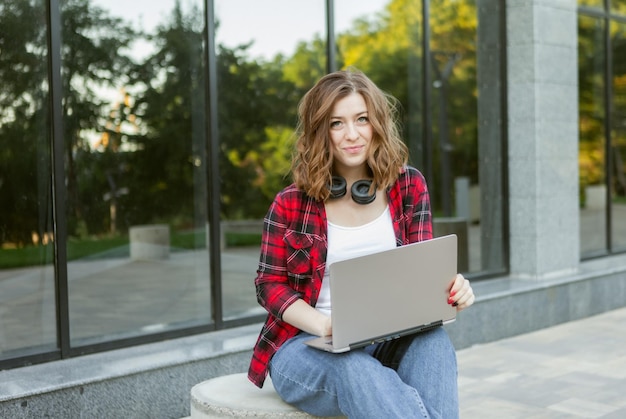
[313,162]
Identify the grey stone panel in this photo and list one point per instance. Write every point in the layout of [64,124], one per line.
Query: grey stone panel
[543,138]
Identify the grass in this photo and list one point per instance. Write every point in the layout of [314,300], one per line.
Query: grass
[242,239]
[619,199]
[110,247]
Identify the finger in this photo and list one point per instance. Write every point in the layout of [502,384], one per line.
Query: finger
[466,304]
[457,285]
[460,287]
[462,295]
[465,300]
[456,290]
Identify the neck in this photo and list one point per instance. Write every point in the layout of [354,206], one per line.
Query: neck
[353,175]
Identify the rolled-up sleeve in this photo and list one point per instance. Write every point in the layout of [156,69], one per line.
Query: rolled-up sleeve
[273,290]
[421,219]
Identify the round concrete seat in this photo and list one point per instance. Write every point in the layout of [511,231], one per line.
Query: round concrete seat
[233,396]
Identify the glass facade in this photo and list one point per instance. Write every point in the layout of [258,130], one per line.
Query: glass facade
[618,6]
[592,3]
[602,154]
[27,281]
[135,157]
[261,73]
[136,168]
[592,110]
[617,166]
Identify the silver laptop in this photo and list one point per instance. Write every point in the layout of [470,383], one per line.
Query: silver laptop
[389,294]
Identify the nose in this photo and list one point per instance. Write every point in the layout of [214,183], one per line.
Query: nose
[351,131]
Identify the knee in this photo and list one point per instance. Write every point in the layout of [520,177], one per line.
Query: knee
[352,363]
[434,340]
[354,368]
[429,347]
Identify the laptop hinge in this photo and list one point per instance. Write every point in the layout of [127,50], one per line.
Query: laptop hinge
[406,332]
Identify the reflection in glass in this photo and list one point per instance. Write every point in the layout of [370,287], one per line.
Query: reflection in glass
[27,291]
[592,3]
[452,64]
[465,189]
[591,61]
[447,149]
[262,73]
[618,7]
[136,168]
[391,55]
[618,140]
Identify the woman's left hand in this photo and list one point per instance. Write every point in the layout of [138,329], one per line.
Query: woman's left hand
[461,293]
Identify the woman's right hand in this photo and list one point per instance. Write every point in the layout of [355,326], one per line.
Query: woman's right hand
[307,318]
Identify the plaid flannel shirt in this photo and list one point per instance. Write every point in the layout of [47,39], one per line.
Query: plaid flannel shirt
[293,254]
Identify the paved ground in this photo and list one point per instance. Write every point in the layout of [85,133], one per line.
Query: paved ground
[573,370]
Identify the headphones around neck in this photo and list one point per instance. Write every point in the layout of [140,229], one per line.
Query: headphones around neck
[359,190]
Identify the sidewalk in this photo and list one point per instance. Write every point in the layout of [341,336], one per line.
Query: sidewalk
[573,370]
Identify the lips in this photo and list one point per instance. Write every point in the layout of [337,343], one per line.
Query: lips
[353,150]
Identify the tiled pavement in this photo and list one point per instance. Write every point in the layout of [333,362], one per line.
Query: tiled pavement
[572,370]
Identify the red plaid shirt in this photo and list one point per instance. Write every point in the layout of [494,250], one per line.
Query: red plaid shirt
[293,254]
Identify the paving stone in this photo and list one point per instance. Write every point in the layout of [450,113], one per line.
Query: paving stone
[569,371]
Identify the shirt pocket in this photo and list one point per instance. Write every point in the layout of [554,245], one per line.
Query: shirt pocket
[299,246]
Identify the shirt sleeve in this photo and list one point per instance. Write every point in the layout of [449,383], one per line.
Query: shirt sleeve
[420,227]
[273,289]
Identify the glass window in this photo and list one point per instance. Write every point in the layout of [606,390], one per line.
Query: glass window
[444,138]
[618,138]
[27,291]
[135,122]
[135,157]
[592,3]
[467,194]
[591,62]
[269,54]
[618,7]
[385,42]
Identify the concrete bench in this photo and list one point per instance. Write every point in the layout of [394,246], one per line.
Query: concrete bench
[233,396]
[239,226]
[149,242]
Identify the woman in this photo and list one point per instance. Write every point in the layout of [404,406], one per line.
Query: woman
[353,194]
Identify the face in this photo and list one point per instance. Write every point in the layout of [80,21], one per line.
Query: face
[350,135]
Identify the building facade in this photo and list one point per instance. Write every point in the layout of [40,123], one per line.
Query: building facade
[142,143]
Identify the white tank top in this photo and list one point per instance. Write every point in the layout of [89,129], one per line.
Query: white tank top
[349,242]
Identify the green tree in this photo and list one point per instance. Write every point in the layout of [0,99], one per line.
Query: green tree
[256,104]
[166,172]
[387,47]
[92,59]
[591,110]
[307,65]
[25,190]
[618,140]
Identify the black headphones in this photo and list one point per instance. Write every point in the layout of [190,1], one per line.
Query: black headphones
[359,190]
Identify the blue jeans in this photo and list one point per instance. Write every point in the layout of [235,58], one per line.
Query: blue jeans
[357,385]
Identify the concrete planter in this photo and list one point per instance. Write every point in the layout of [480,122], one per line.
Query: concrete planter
[595,197]
[149,242]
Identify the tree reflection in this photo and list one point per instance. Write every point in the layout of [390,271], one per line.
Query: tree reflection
[135,129]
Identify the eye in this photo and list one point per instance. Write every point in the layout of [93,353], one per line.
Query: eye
[362,120]
[335,124]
